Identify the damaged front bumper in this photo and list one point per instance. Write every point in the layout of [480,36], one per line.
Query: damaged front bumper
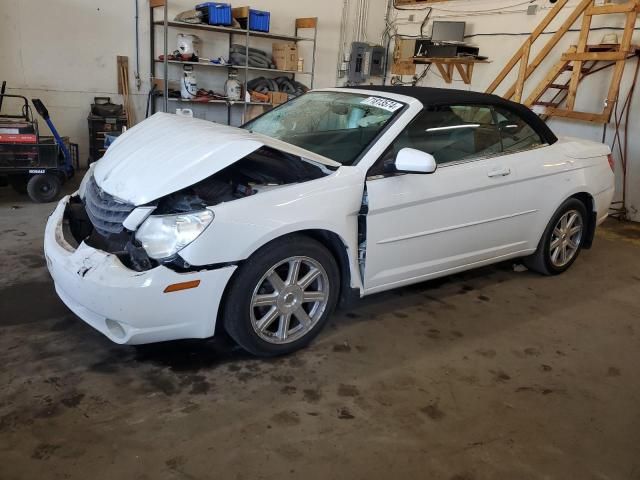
[127,306]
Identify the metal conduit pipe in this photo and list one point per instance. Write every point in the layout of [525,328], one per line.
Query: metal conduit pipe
[359,16]
[343,37]
[365,18]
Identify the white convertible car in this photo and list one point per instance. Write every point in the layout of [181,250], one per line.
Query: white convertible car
[186,226]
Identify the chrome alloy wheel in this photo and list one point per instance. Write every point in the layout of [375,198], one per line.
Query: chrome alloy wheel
[566,238]
[289,300]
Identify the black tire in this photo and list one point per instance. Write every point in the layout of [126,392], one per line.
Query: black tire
[237,311]
[541,260]
[18,183]
[44,188]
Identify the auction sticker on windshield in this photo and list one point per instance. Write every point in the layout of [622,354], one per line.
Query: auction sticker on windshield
[383,103]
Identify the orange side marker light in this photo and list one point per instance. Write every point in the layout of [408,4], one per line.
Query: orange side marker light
[176,287]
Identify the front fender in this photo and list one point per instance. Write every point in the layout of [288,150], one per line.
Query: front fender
[242,226]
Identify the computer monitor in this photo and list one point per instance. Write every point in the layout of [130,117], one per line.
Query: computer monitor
[448,32]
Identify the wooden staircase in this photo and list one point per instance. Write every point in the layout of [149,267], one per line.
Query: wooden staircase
[560,85]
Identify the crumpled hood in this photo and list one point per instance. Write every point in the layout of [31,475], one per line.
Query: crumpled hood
[167,153]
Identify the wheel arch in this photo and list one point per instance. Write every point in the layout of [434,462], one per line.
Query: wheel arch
[589,203]
[338,248]
[340,251]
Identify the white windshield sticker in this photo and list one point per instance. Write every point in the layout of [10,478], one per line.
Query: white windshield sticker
[383,103]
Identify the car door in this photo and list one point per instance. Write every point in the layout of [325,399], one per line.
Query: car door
[464,214]
[525,151]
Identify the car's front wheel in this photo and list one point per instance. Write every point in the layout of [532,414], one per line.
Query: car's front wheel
[562,240]
[281,296]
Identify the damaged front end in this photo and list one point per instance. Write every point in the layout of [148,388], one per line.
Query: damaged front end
[97,220]
[134,233]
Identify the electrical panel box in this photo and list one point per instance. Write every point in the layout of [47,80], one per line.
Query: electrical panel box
[359,62]
[377,61]
[365,61]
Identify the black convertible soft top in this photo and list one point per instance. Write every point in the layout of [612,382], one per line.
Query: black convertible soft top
[451,96]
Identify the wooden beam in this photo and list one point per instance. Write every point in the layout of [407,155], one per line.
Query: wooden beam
[121,62]
[566,25]
[585,116]
[470,71]
[612,8]
[446,73]
[532,38]
[577,64]
[524,63]
[446,66]
[585,56]
[464,75]
[618,70]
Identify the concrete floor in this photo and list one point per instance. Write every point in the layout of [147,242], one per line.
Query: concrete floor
[493,374]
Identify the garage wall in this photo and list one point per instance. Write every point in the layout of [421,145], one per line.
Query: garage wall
[499,16]
[64,52]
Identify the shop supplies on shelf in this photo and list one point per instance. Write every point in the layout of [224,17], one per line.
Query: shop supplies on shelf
[279,84]
[257,58]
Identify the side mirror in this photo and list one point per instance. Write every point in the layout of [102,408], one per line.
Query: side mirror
[410,160]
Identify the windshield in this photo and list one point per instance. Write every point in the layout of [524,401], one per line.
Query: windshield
[337,125]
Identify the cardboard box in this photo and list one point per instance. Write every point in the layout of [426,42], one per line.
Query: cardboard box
[285,56]
[259,97]
[278,98]
[254,111]
[240,12]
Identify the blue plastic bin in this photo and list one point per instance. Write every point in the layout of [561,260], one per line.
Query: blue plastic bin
[216,13]
[259,20]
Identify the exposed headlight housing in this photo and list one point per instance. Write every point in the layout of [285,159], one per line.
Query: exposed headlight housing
[162,236]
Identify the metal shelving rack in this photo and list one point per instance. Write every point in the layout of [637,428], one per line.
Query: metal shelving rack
[166,24]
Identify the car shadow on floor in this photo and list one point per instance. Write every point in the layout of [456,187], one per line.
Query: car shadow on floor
[194,355]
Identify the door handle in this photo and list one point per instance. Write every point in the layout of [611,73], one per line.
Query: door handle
[499,172]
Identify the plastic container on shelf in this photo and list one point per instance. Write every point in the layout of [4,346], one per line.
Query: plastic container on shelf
[256,20]
[216,13]
[259,20]
[189,85]
[188,44]
[233,87]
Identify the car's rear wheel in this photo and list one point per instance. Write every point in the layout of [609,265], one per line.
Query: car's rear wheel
[281,297]
[562,240]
